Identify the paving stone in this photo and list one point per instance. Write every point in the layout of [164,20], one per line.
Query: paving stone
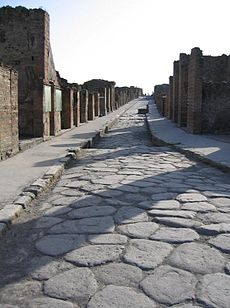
[55,245]
[44,267]
[15,292]
[8,306]
[106,193]
[199,207]
[107,239]
[67,226]
[47,222]
[175,235]
[197,258]
[94,254]
[133,198]
[227,268]
[221,202]
[108,180]
[57,211]
[215,217]
[142,184]
[103,224]
[128,188]
[45,302]
[178,222]
[76,284]
[71,192]
[76,184]
[87,200]
[163,196]
[91,211]
[119,274]
[191,197]
[222,242]
[63,200]
[116,296]
[172,213]
[213,194]
[130,214]
[169,285]
[215,290]
[189,305]
[139,229]
[147,254]
[213,229]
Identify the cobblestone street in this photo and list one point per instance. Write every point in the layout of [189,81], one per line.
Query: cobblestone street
[129,225]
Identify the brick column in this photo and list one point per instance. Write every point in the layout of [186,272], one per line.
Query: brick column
[67,115]
[55,122]
[195,92]
[84,106]
[175,90]
[76,107]
[91,111]
[103,109]
[183,90]
[96,104]
[170,98]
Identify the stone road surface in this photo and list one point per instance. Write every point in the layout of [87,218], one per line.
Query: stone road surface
[129,225]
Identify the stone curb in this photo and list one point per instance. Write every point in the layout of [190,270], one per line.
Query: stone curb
[198,156]
[31,192]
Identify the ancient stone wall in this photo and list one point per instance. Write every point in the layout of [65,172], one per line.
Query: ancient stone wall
[8,112]
[160,95]
[183,90]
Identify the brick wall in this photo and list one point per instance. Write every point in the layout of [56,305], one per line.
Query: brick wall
[175,91]
[183,90]
[8,112]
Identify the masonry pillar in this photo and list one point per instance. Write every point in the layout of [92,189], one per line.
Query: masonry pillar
[103,108]
[76,106]
[67,115]
[183,90]
[84,106]
[108,102]
[91,110]
[175,90]
[56,107]
[96,104]
[194,124]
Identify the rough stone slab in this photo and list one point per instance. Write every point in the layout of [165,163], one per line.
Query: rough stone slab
[3,228]
[55,245]
[213,229]
[128,188]
[94,254]
[86,201]
[57,211]
[199,207]
[139,229]
[178,222]
[76,184]
[175,235]
[142,184]
[130,214]
[172,213]
[20,290]
[215,194]
[221,202]
[47,222]
[197,258]
[44,267]
[147,254]
[42,183]
[133,198]
[54,171]
[222,242]
[9,212]
[108,180]
[92,211]
[23,201]
[8,306]
[170,285]
[160,205]
[103,224]
[66,227]
[119,274]
[189,305]
[107,239]
[45,302]
[215,290]
[191,197]
[163,196]
[116,296]
[216,217]
[75,284]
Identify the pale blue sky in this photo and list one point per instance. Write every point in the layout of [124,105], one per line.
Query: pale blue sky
[132,42]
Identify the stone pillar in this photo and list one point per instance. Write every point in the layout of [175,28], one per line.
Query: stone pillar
[67,115]
[108,102]
[175,90]
[170,98]
[112,97]
[55,120]
[194,123]
[96,104]
[91,110]
[76,107]
[103,109]
[183,90]
[84,106]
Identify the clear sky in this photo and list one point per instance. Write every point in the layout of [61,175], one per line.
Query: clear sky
[133,42]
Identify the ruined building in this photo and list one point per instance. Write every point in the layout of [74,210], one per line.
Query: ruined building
[198,95]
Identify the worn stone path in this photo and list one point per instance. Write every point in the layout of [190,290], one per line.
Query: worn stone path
[129,225]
